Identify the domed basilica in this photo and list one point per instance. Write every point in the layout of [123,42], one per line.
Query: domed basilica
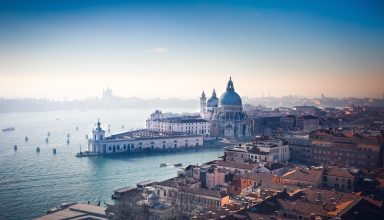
[226,114]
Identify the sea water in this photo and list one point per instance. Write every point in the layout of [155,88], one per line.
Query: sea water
[31,182]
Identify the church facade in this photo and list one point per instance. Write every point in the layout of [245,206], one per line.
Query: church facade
[226,114]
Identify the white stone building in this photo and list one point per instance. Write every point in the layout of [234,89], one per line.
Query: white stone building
[227,117]
[141,140]
[182,124]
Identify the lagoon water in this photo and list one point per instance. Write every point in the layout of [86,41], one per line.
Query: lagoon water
[31,183]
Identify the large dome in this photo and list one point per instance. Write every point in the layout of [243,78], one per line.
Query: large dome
[230,97]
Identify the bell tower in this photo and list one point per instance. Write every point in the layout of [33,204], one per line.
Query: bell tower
[203,103]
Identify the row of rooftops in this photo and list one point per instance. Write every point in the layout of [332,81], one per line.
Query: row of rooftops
[145,134]
[182,119]
[347,135]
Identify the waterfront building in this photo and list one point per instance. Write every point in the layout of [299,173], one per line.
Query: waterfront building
[75,211]
[141,140]
[181,124]
[227,117]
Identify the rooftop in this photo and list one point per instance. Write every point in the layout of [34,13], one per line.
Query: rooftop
[309,175]
[76,211]
[236,165]
[145,134]
[335,171]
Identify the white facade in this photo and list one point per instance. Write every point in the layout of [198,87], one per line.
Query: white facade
[182,124]
[141,140]
[270,152]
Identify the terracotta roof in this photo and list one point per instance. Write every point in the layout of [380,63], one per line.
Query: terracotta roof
[204,192]
[236,165]
[335,171]
[310,175]
[303,202]
[265,178]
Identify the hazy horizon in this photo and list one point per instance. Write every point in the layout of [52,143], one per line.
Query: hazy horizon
[177,49]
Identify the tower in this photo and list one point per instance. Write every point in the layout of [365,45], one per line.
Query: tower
[203,103]
[98,132]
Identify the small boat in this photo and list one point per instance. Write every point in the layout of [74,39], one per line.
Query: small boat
[80,154]
[67,141]
[48,134]
[178,165]
[15,147]
[46,140]
[54,151]
[26,138]
[37,149]
[8,129]
[163,165]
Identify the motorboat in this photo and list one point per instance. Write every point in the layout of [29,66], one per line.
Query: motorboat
[8,129]
[178,165]
[37,149]
[163,165]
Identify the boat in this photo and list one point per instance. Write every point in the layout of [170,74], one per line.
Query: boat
[68,135]
[8,129]
[163,165]
[15,147]
[67,141]
[54,151]
[48,134]
[46,140]
[37,149]
[26,138]
[86,154]
[178,165]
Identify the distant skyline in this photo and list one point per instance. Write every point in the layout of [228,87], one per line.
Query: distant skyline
[164,49]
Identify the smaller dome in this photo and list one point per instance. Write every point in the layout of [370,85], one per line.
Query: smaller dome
[213,101]
[153,197]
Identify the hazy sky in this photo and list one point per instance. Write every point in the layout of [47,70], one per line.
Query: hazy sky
[75,49]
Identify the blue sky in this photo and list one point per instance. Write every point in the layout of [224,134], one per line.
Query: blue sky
[74,49]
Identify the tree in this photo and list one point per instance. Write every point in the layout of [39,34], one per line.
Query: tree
[129,207]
